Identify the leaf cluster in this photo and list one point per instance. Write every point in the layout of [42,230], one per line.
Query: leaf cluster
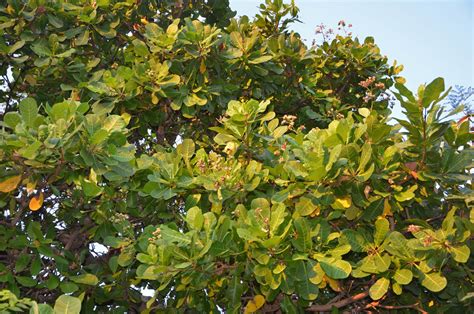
[221,164]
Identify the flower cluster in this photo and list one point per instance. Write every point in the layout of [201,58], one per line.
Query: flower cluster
[413,228]
[367,82]
[379,85]
[156,235]
[368,97]
[289,120]
[118,218]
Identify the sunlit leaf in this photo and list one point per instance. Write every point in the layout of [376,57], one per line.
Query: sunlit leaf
[10,184]
[36,202]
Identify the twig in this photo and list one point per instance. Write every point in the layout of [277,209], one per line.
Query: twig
[414,306]
[338,304]
[410,306]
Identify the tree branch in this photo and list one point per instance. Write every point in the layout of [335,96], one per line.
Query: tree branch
[338,304]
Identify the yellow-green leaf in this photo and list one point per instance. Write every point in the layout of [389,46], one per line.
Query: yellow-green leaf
[86,279]
[460,253]
[403,276]
[66,304]
[379,288]
[382,227]
[434,282]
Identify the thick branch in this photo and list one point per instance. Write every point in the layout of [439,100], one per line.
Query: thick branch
[338,304]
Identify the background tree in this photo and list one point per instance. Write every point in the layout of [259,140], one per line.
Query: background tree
[222,164]
[461,95]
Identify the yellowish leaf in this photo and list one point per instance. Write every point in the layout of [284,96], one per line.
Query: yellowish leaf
[253,305]
[387,209]
[36,202]
[202,67]
[10,184]
[93,176]
[9,9]
[333,283]
[400,79]
[342,202]
[315,212]
[30,187]
[154,99]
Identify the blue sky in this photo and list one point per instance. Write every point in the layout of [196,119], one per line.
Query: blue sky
[430,38]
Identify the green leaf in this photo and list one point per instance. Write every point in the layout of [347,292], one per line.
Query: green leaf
[28,111]
[41,48]
[366,155]
[379,288]
[356,240]
[100,136]
[126,257]
[25,281]
[223,139]
[403,276]
[22,261]
[55,21]
[41,309]
[406,195]
[114,123]
[304,206]
[336,269]
[459,161]
[302,241]
[460,253]
[186,148]
[382,262]
[279,131]
[278,214]
[30,151]
[63,110]
[11,119]
[434,282]
[36,266]
[340,250]
[375,209]
[305,288]
[397,288]
[68,287]
[260,203]
[16,46]
[235,291]
[247,234]
[382,227]
[432,91]
[260,59]
[90,188]
[86,279]
[83,38]
[194,218]
[67,305]
[288,306]
[171,235]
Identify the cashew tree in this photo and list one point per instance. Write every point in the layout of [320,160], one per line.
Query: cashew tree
[164,156]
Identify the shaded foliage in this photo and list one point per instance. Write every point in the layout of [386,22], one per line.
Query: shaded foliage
[222,164]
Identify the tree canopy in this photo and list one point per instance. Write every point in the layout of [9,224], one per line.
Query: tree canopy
[221,164]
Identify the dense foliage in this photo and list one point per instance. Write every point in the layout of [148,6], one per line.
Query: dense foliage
[221,164]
